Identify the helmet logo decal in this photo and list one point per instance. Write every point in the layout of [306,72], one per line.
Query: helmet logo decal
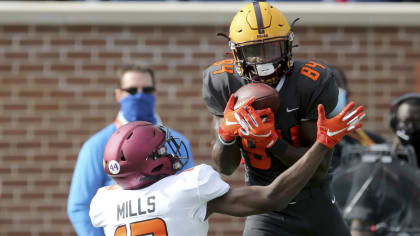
[258,14]
[114,167]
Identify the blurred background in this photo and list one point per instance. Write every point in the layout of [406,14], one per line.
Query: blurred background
[58,64]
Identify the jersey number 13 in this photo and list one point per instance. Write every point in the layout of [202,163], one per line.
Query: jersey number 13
[155,227]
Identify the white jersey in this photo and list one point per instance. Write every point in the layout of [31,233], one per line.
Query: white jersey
[175,205]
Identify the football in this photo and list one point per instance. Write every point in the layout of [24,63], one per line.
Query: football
[265,96]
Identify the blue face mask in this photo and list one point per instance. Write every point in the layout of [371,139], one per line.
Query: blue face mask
[139,107]
[341,103]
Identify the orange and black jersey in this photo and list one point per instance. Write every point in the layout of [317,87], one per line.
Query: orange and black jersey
[310,83]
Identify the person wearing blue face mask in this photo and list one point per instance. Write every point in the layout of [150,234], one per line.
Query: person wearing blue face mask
[139,105]
[136,95]
[405,123]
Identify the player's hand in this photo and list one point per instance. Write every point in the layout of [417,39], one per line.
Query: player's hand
[330,131]
[257,126]
[228,128]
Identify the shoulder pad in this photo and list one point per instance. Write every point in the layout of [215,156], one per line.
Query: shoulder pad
[312,70]
[222,69]
[315,84]
[210,184]
[219,81]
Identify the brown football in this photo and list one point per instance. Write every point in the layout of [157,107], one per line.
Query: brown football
[265,96]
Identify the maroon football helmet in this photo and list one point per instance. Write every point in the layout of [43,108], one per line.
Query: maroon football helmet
[136,155]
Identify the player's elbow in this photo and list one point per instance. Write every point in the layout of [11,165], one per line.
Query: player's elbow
[223,169]
[223,166]
[277,200]
[227,170]
[320,172]
[281,206]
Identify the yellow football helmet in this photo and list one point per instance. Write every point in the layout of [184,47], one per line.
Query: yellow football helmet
[261,41]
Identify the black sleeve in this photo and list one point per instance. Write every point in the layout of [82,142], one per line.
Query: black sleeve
[218,86]
[213,92]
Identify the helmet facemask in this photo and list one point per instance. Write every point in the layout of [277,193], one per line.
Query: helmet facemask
[264,60]
[177,147]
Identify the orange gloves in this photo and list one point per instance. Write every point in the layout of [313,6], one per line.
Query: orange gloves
[258,126]
[330,131]
[228,129]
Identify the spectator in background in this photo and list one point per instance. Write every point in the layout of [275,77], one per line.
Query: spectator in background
[405,122]
[387,195]
[135,94]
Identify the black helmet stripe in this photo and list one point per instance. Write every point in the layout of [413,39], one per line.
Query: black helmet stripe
[258,14]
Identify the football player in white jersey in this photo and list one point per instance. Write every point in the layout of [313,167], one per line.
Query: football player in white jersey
[149,198]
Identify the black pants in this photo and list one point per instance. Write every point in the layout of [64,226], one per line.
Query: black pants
[314,212]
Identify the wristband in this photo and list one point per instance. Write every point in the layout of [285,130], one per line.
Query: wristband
[280,147]
[226,143]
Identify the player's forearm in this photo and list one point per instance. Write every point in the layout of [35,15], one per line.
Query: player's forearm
[289,154]
[226,158]
[285,187]
[323,167]
[252,200]
[293,154]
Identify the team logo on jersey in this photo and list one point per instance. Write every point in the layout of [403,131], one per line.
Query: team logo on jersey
[114,167]
[292,109]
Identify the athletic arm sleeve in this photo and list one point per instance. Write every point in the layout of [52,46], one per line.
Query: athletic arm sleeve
[213,94]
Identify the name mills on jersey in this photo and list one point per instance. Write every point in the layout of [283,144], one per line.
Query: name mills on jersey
[132,208]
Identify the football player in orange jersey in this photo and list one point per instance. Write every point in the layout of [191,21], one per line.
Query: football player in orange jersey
[261,41]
